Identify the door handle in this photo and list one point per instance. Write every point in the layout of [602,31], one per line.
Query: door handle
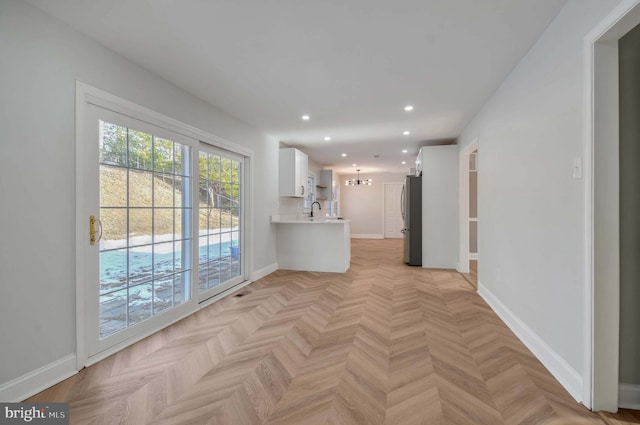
[402,206]
[92,230]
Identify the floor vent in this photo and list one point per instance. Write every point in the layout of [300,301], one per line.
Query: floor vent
[242,294]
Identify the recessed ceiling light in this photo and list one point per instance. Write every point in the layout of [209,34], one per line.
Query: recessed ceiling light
[344,154]
[404,151]
[327,138]
[404,162]
[355,165]
[306,117]
[406,132]
[408,108]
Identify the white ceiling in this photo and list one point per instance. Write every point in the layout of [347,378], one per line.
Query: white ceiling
[352,65]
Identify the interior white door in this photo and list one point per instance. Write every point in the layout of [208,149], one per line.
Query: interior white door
[393,222]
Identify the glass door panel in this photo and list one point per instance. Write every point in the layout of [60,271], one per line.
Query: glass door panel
[220,221]
[144,253]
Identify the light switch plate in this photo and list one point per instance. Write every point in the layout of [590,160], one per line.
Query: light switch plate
[577,168]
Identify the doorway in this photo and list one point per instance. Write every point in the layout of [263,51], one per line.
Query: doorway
[468,192]
[473,218]
[393,223]
[602,388]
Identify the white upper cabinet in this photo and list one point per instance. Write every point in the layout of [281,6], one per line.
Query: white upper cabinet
[327,189]
[294,166]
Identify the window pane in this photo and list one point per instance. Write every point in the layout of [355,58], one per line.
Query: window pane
[140,303]
[114,228]
[139,150]
[163,224]
[163,294]
[113,270]
[140,265]
[162,259]
[163,190]
[178,153]
[113,144]
[203,219]
[235,257]
[235,196]
[204,192]
[113,312]
[140,188]
[235,218]
[140,226]
[182,186]
[181,284]
[163,155]
[226,195]
[179,218]
[113,186]
[235,171]
[203,261]
[225,219]
[178,259]
[226,170]
[213,173]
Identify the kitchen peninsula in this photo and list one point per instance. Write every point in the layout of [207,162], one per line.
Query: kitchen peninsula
[313,244]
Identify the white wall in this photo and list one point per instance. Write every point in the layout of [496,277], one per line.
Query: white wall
[40,59]
[530,208]
[364,205]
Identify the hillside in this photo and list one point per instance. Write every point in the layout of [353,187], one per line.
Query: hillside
[147,190]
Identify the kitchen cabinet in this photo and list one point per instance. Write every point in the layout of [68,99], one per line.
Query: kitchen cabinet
[328,186]
[294,166]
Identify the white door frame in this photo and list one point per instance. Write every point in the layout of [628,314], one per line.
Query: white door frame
[463,193]
[601,165]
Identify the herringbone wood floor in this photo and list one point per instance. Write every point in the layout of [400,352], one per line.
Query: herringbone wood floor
[383,343]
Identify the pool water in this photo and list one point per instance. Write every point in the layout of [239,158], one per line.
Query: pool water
[145,265]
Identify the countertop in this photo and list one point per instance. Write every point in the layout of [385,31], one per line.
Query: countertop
[282,219]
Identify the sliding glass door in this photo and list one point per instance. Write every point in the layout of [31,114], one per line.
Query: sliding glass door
[165,226]
[220,221]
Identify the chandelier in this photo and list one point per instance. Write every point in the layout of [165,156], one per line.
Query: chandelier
[358,182]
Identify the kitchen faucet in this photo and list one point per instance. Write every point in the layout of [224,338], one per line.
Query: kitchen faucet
[319,208]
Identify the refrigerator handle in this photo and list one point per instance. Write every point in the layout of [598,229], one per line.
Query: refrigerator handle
[402,205]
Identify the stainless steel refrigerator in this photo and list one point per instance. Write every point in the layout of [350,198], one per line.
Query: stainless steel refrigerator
[411,207]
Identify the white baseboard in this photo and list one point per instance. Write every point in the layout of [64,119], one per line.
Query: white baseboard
[629,396]
[265,271]
[37,380]
[366,236]
[568,377]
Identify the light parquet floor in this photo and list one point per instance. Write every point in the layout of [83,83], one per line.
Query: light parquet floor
[383,343]
[472,276]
